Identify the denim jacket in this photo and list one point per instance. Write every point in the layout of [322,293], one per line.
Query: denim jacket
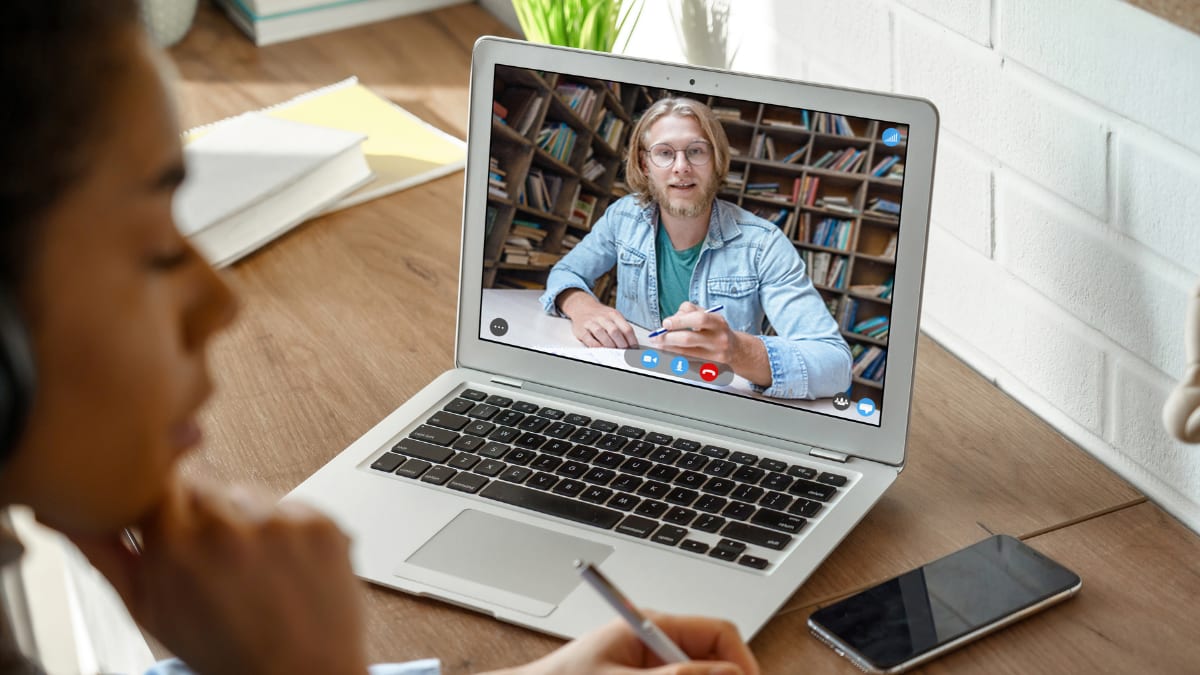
[746,264]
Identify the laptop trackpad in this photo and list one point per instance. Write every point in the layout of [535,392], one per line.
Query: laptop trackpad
[502,561]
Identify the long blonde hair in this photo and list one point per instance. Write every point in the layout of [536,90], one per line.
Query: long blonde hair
[636,176]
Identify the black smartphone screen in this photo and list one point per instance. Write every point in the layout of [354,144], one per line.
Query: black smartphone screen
[921,610]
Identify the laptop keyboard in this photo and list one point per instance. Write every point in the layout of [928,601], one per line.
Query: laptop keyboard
[703,499]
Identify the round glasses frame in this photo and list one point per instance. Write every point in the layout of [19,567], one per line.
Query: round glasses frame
[697,153]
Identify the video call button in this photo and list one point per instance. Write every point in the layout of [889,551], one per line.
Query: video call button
[677,365]
[841,401]
[498,327]
[650,359]
[709,372]
[866,407]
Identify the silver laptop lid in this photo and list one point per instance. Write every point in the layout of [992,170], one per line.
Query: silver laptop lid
[844,175]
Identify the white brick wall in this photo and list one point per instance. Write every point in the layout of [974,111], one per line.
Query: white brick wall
[1066,209]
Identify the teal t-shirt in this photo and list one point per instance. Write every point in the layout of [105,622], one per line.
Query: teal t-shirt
[674,273]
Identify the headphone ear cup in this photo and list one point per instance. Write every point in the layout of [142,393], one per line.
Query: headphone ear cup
[16,376]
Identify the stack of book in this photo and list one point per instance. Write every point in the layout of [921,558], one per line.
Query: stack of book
[885,209]
[848,160]
[578,97]
[875,327]
[833,233]
[497,185]
[583,212]
[868,362]
[882,291]
[837,203]
[827,123]
[557,139]
[611,128]
[271,21]
[884,166]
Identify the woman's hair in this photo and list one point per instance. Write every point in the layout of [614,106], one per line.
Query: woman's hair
[680,107]
[58,61]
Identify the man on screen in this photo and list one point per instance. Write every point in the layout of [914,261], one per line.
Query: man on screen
[679,251]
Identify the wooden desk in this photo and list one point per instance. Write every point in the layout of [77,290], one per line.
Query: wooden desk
[349,315]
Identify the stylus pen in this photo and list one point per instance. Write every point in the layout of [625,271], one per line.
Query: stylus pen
[646,630]
[710,310]
[132,539]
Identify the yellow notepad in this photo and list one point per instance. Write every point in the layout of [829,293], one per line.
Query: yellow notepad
[402,149]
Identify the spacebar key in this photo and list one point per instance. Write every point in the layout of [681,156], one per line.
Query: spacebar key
[550,504]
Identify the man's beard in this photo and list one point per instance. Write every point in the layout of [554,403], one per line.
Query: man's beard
[689,209]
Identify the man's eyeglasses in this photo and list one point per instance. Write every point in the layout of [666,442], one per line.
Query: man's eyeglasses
[663,155]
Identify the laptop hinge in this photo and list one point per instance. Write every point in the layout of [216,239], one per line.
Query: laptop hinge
[829,454]
[516,384]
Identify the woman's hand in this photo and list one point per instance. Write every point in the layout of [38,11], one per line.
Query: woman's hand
[232,583]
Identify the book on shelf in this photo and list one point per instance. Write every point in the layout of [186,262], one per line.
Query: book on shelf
[795,156]
[882,291]
[529,112]
[836,203]
[528,229]
[735,179]
[883,206]
[497,183]
[538,258]
[489,221]
[847,313]
[889,251]
[876,327]
[896,172]
[593,169]
[579,98]
[569,241]
[785,123]
[828,123]
[727,113]
[610,129]
[833,233]
[884,165]
[270,21]
[254,177]
[867,361]
[584,210]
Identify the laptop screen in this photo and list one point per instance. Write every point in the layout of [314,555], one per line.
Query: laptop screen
[729,244]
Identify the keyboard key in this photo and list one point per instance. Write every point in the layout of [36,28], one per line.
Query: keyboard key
[516,474]
[568,487]
[542,480]
[559,430]
[520,456]
[679,515]
[708,523]
[663,472]
[572,469]
[524,407]
[693,546]
[775,500]
[438,475]
[723,554]
[654,489]
[636,526]
[387,462]
[749,474]
[551,504]
[608,460]
[666,455]
[636,466]
[577,420]
[719,486]
[811,490]
[498,400]
[623,501]
[631,432]
[556,447]
[583,453]
[731,545]
[551,413]
[530,440]
[776,481]
[490,468]
[743,458]
[691,479]
[464,460]
[459,406]
[626,483]
[801,472]
[546,463]
[638,448]
[468,443]
[692,461]
[651,508]
[715,451]
[533,424]
[594,494]
[612,442]
[778,521]
[757,536]
[474,395]
[685,445]
[599,476]
[467,482]
[509,418]
[710,503]
[494,450]
[805,507]
[748,493]
[479,428]
[738,511]
[483,411]
[413,468]
[447,420]
[423,450]
[505,435]
[753,562]
[720,467]
[669,535]
[433,435]
[658,439]
[831,479]
[682,496]
[586,436]
[772,465]
[604,426]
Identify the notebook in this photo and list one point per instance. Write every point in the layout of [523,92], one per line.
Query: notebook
[694,489]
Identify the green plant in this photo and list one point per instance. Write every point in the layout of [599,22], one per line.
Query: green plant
[585,24]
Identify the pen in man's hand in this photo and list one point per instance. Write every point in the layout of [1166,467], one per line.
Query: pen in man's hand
[646,630]
[662,331]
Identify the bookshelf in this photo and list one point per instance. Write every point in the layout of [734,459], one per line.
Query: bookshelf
[828,181]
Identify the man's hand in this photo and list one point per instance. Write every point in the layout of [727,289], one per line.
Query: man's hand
[710,338]
[594,324]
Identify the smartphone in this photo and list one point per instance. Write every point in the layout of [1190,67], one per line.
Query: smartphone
[922,614]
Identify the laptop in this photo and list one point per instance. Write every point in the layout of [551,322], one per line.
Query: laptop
[694,489]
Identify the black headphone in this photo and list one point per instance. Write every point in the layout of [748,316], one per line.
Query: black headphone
[16,375]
